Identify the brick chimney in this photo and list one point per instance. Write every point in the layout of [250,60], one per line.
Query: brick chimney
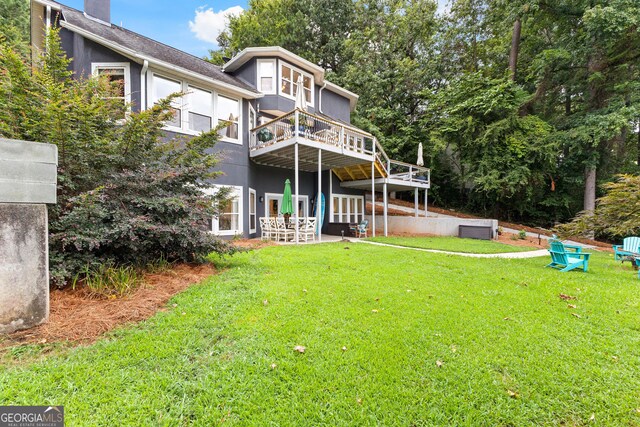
[98,10]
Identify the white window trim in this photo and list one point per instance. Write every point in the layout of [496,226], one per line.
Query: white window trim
[252,110]
[238,192]
[184,107]
[348,214]
[96,66]
[255,210]
[304,73]
[267,196]
[240,115]
[274,76]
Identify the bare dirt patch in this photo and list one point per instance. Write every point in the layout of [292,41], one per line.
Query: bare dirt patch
[75,316]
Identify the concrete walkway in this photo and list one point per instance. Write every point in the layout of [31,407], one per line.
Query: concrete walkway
[529,254]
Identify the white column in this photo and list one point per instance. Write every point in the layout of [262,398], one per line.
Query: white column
[373,199]
[426,198]
[295,205]
[319,201]
[385,202]
[415,201]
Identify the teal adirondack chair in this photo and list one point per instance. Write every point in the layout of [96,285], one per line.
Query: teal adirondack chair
[629,247]
[567,257]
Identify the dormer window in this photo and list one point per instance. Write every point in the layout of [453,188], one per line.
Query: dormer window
[267,76]
[288,79]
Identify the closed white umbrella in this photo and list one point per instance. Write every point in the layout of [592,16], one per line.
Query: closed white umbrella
[420,161]
[301,103]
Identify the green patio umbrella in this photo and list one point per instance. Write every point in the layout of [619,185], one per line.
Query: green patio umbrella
[287,199]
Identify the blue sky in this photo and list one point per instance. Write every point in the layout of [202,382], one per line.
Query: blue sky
[189,25]
[168,20]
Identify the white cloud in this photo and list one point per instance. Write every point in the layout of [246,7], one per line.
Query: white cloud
[208,24]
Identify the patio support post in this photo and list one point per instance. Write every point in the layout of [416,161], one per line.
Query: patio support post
[295,205]
[415,201]
[385,201]
[373,189]
[319,200]
[426,197]
[373,199]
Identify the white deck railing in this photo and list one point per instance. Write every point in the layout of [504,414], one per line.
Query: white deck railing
[319,129]
[313,128]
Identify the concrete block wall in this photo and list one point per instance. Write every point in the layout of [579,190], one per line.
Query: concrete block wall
[433,226]
[28,177]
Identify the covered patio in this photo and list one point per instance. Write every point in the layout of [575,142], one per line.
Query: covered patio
[305,142]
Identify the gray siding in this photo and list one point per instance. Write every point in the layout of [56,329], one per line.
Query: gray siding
[84,52]
[336,106]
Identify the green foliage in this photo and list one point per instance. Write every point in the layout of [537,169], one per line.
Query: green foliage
[497,154]
[513,353]
[108,280]
[14,25]
[126,195]
[617,213]
[522,234]
[452,244]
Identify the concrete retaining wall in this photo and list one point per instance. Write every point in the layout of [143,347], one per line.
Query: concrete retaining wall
[27,183]
[433,226]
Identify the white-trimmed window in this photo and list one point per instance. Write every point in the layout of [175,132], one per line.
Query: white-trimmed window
[229,219]
[273,202]
[200,109]
[252,211]
[119,75]
[267,76]
[347,208]
[288,79]
[163,87]
[228,113]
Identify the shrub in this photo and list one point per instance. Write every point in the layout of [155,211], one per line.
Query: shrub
[126,195]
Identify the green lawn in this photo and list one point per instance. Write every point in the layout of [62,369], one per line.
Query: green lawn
[511,351]
[453,244]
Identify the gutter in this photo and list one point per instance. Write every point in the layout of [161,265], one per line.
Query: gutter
[141,58]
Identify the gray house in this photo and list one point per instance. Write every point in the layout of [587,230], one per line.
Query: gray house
[266,140]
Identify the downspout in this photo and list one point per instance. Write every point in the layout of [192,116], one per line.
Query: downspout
[47,29]
[143,85]
[320,97]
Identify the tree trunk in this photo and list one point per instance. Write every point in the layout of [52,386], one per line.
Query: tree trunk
[590,188]
[515,48]
[638,142]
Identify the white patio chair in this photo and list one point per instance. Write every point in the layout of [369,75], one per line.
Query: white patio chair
[308,230]
[284,232]
[265,229]
[273,228]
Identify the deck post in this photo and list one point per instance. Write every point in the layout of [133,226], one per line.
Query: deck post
[385,201]
[373,189]
[415,201]
[295,205]
[373,201]
[426,197]
[319,200]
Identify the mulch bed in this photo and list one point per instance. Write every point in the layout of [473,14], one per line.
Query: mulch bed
[78,317]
